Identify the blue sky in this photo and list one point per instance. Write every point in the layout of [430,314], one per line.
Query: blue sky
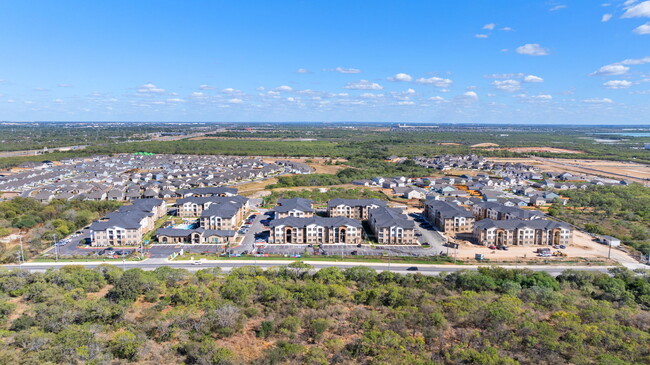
[569,62]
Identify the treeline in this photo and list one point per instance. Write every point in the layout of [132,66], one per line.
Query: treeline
[322,197]
[43,222]
[620,211]
[295,315]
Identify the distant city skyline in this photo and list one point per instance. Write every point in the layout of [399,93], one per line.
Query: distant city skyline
[472,61]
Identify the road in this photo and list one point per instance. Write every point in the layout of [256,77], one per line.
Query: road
[152,264]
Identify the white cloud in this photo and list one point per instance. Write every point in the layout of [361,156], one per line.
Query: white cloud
[235,101]
[470,95]
[504,76]
[642,29]
[58,101]
[284,88]
[557,7]
[60,85]
[401,77]
[635,61]
[617,84]
[437,99]
[346,70]
[533,98]
[640,10]
[533,78]
[405,103]
[302,71]
[363,85]
[532,49]
[371,96]
[598,101]
[435,81]
[483,36]
[230,90]
[507,85]
[198,94]
[606,18]
[489,26]
[507,29]
[206,87]
[610,70]
[150,89]
[175,100]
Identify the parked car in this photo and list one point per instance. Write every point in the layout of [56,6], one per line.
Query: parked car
[562,246]
[492,247]
[197,263]
[412,268]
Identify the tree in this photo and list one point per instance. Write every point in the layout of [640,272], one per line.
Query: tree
[125,345]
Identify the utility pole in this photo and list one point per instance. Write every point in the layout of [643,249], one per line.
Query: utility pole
[22,253]
[609,252]
[56,248]
[389,261]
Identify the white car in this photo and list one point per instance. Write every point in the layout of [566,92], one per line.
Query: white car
[197,262]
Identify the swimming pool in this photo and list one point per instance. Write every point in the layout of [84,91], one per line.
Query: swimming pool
[185,226]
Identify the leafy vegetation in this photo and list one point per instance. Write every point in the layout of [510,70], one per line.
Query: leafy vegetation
[619,211]
[294,315]
[43,222]
[363,168]
[322,197]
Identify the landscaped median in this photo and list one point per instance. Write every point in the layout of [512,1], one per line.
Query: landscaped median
[331,258]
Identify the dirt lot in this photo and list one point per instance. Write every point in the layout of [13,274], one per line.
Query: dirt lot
[481,145]
[317,163]
[533,149]
[635,171]
[582,248]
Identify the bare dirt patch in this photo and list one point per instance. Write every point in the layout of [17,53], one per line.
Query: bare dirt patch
[319,164]
[611,169]
[482,145]
[540,149]
[583,248]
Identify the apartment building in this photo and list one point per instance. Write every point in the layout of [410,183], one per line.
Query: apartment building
[127,225]
[448,217]
[193,207]
[518,232]
[353,208]
[315,230]
[391,226]
[295,207]
[498,211]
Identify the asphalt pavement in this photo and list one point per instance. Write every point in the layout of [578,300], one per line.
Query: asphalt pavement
[423,269]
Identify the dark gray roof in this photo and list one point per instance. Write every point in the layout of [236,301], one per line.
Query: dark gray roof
[224,210]
[448,210]
[286,205]
[518,223]
[389,217]
[319,221]
[355,202]
[514,211]
[209,191]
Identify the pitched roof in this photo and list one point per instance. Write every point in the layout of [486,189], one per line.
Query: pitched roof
[319,221]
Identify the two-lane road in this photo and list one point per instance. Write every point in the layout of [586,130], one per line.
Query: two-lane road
[423,269]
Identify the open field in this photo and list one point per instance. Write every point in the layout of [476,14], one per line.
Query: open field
[531,149]
[318,164]
[612,169]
